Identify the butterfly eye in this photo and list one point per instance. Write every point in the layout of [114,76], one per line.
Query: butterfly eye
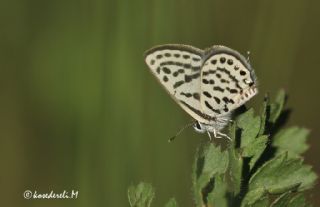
[198,127]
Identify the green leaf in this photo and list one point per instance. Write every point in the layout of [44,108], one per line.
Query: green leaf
[235,168]
[141,195]
[172,203]
[250,126]
[221,179]
[235,162]
[263,202]
[255,149]
[282,174]
[277,106]
[217,197]
[298,201]
[264,114]
[210,161]
[253,196]
[250,145]
[282,200]
[292,140]
[287,199]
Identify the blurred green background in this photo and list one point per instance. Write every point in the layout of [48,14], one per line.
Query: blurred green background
[80,110]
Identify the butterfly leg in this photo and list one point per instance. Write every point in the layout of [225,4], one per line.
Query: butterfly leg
[225,135]
[227,120]
[215,134]
[210,138]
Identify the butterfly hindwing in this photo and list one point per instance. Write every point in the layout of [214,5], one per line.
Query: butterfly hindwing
[178,69]
[226,81]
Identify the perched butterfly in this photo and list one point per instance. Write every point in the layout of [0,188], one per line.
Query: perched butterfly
[208,84]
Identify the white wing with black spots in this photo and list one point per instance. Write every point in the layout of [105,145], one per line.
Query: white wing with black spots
[178,69]
[227,81]
[208,84]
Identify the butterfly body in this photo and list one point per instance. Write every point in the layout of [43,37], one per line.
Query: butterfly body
[214,126]
[208,84]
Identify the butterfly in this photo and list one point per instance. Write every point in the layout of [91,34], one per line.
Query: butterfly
[208,84]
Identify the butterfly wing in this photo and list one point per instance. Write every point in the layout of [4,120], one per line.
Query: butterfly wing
[178,69]
[227,81]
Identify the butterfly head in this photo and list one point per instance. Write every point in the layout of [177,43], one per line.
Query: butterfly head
[198,127]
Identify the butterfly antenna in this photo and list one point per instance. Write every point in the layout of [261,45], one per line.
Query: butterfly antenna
[181,130]
[248,58]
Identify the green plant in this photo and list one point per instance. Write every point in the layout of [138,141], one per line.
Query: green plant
[261,167]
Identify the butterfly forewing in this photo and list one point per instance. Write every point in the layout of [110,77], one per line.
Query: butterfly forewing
[227,81]
[178,69]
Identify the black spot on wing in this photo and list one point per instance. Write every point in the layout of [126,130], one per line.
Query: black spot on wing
[217,99]
[210,71]
[188,78]
[165,78]
[223,70]
[242,72]
[211,108]
[167,54]
[222,60]
[196,59]
[186,56]
[167,63]
[176,73]
[236,81]
[205,73]
[178,64]
[159,56]
[224,81]
[233,91]
[230,62]
[217,88]
[188,95]
[181,71]
[196,68]
[207,94]
[205,81]
[225,99]
[196,96]
[196,111]
[166,70]
[186,65]
[177,84]
[213,62]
